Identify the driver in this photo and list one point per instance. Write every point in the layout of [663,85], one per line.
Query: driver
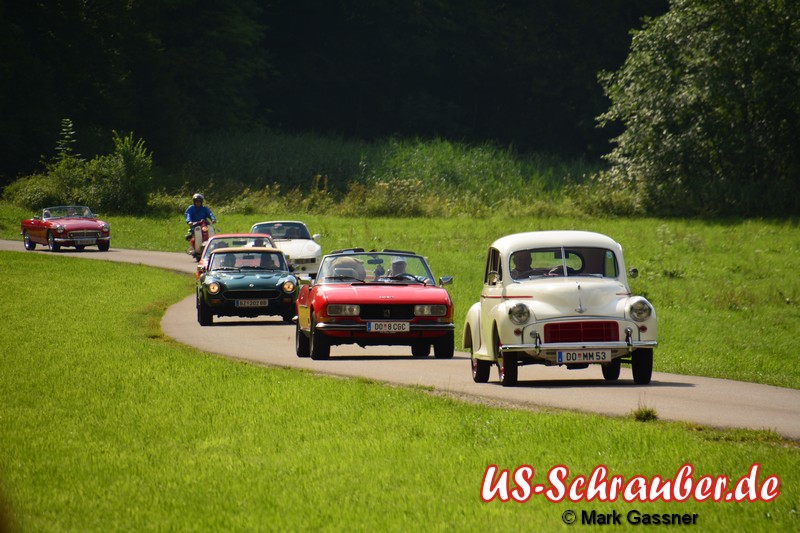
[398,266]
[522,265]
[197,212]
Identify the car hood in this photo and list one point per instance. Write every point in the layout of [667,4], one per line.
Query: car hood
[573,297]
[299,248]
[260,279]
[78,224]
[386,293]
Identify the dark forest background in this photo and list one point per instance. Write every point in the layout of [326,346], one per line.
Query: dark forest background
[518,73]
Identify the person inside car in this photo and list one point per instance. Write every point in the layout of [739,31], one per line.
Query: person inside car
[522,265]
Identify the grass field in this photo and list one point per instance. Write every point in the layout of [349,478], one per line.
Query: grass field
[106,425]
[726,293]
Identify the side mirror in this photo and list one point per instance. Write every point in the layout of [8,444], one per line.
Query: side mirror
[633,273]
[445,280]
[494,277]
[316,236]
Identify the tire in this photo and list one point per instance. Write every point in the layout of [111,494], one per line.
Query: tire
[80,247]
[507,365]
[52,245]
[320,348]
[480,368]
[26,239]
[642,366]
[204,315]
[444,347]
[611,370]
[301,343]
[103,246]
[420,349]
[287,317]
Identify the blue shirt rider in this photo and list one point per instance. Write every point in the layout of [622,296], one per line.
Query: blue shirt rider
[197,212]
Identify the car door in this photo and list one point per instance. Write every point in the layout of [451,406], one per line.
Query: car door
[491,296]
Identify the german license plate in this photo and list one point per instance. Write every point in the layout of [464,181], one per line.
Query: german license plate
[584,356]
[84,242]
[252,303]
[388,327]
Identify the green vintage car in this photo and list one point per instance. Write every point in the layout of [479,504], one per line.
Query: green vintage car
[246,282]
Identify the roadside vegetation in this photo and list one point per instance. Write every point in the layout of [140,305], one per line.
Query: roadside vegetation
[727,299]
[108,425]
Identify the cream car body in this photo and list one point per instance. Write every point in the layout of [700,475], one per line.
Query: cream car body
[572,307]
[296,242]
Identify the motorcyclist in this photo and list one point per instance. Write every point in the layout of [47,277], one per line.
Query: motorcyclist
[197,212]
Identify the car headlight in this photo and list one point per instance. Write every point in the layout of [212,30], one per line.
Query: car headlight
[343,310]
[59,229]
[430,310]
[213,287]
[288,286]
[104,228]
[519,313]
[641,310]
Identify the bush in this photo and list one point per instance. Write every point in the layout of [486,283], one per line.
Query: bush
[35,192]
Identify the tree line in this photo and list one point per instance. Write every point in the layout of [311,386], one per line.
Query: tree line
[517,73]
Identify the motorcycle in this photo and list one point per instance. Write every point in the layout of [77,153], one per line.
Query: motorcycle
[200,232]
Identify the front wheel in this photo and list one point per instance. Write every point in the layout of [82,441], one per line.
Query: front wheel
[480,368]
[204,315]
[52,245]
[29,244]
[642,366]
[507,364]
[420,349]
[320,347]
[444,347]
[103,246]
[611,370]
[301,344]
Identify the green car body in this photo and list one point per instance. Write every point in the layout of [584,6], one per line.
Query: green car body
[246,282]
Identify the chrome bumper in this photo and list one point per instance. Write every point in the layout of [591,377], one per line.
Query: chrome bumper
[538,346]
[362,328]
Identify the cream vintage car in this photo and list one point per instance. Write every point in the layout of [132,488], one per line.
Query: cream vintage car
[559,298]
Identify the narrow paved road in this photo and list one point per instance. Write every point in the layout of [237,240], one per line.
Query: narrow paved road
[714,402]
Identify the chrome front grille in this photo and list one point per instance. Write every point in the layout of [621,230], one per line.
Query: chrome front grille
[84,234]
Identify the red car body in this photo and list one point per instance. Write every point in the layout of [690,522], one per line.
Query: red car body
[357,299]
[70,225]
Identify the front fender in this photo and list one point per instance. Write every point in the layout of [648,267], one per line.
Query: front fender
[472,330]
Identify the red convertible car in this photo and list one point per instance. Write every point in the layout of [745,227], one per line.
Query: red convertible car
[66,225]
[374,298]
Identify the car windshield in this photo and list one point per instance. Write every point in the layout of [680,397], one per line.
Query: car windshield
[565,261]
[283,230]
[67,211]
[237,242]
[247,260]
[374,267]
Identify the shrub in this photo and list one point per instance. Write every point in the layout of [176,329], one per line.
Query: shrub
[36,191]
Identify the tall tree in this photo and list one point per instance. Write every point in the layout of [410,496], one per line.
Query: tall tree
[710,101]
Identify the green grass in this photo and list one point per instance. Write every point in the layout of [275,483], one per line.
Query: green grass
[726,293]
[106,425]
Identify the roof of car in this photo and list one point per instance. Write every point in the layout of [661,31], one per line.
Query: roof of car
[234,235]
[247,249]
[548,239]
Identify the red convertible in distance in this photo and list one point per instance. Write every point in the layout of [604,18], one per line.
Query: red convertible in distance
[66,225]
[374,298]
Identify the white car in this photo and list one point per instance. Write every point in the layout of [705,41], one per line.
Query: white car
[297,244]
[559,298]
